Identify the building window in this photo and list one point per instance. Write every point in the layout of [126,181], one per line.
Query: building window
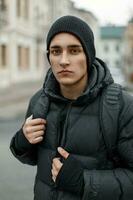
[3,56]
[106,48]
[132,51]
[19,56]
[18,8]
[23,58]
[23,8]
[27,57]
[37,58]
[117,48]
[3,4]
[131,78]
[117,63]
[26,8]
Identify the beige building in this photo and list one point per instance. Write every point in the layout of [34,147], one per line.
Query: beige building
[19,54]
[23,28]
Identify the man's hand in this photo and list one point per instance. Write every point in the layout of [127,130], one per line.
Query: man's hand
[56,165]
[34,129]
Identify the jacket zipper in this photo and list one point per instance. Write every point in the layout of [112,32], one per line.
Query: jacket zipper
[65,128]
[63,140]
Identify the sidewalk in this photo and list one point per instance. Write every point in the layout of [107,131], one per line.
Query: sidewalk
[14,99]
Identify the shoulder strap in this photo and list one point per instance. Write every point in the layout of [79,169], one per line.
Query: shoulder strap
[41,107]
[110,105]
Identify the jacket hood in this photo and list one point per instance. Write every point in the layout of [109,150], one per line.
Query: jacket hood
[99,78]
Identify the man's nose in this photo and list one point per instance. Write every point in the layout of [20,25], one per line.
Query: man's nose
[64,60]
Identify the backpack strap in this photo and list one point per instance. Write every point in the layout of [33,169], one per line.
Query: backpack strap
[41,107]
[110,105]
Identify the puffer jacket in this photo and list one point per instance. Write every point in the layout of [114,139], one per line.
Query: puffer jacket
[82,138]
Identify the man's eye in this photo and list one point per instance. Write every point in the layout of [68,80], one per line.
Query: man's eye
[75,51]
[55,52]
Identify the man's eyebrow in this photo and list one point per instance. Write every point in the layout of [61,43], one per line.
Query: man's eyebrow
[69,46]
[75,45]
[55,46]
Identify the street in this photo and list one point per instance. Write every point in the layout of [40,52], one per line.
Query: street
[16,179]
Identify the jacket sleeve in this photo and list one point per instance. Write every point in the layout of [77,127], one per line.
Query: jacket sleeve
[19,146]
[116,183]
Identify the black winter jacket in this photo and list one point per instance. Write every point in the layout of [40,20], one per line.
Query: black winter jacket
[81,136]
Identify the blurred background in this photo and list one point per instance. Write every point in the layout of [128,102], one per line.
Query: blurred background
[23,28]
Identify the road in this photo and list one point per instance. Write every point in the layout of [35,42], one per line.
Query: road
[16,179]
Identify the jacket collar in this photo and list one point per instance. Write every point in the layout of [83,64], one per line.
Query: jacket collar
[99,77]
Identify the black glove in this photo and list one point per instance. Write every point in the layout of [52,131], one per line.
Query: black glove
[70,177]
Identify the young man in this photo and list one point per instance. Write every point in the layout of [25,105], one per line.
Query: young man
[62,133]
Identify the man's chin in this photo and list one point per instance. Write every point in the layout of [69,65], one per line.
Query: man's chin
[66,82]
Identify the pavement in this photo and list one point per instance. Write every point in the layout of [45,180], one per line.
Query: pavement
[14,99]
[16,179]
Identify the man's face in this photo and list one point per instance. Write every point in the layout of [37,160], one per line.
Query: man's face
[68,60]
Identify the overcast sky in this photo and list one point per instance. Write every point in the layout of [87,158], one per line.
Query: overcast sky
[108,11]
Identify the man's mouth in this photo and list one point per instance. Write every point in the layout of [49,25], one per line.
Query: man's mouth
[65,72]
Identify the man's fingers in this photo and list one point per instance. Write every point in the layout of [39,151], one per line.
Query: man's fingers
[63,152]
[36,128]
[54,172]
[36,140]
[57,164]
[37,134]
[34,122]
[32,136]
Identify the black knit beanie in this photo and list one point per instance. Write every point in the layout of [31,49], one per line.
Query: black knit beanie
[77,27]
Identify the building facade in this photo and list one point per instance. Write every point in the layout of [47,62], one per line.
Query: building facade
[112,48]
[23,29]
[128,54]
[18,43]
[112,45]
